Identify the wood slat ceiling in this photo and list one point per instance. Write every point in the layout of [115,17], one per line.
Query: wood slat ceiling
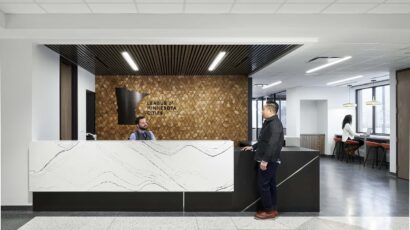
[173,59]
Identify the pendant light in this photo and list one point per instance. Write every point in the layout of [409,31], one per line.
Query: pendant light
[349,104]
[373,102]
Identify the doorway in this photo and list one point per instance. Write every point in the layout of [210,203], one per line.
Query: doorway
[90,116]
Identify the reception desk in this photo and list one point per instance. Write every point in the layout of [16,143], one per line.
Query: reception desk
[138,166]
[163,176]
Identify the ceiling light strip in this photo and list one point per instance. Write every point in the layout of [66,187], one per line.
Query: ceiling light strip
[328,64]
[344,80]
[272,84]
[130,60]
[215,63]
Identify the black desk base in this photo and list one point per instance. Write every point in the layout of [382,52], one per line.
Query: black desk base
[298,191]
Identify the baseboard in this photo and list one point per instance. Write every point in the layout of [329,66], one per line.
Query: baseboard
[393,174]
[16,208]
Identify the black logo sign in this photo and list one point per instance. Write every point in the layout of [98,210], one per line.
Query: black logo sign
[128,102]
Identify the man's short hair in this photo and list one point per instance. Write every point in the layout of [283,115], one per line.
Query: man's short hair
[137,120]
[273,106]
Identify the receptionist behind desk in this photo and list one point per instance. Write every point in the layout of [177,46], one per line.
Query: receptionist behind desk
[141,132]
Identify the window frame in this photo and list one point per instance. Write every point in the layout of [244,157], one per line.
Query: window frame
[373,110]
[263,99]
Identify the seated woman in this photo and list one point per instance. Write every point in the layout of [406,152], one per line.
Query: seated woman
[348,133]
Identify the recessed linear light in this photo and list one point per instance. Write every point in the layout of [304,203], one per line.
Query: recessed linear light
[328,64]
[344,80]
[129,60]
[272,84]
[217,61]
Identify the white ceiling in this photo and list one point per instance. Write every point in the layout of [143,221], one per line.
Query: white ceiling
[205,6]
[376,33]
[373,61]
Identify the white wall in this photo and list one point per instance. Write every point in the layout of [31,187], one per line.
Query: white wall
[316,113]
[86,81]
[30,110]
[16,106]
[393,127]
[46,94]
[335,97]
[0,138]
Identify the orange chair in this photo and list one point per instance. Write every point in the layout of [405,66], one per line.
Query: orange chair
[372,146]
[385,147]
[350,148]
[336,149]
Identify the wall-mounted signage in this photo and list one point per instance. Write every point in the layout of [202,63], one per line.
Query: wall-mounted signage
[160,107]
[127,105]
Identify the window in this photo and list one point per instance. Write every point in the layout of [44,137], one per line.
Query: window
[382,121]
[257,105]
[364,112]
[260,119]
[280,98]
[282,113]
[376,118]
[254,114]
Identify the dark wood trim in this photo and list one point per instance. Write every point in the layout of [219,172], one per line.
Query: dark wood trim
[59,97]
[397,122]
[17,208]
[108,201]
[401,70]
[397,129]
[173,59]
[74,97]
[373,111]
[250,88]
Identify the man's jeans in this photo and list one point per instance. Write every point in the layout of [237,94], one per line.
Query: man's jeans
[266,182]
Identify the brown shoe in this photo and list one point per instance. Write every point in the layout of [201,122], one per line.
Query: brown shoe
[266,215]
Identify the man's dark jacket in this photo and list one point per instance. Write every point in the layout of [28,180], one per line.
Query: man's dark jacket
[270,140]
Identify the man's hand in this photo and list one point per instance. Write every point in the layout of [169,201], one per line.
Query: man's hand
[263,165]
[247,148]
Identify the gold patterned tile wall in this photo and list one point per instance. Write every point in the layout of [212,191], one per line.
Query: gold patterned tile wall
[177,107]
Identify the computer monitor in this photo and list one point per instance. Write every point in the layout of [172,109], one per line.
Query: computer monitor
[369,131]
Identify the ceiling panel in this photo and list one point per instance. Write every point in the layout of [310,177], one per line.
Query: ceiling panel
[160,8]
[59,1]
[201,8]
[173,59]
[349,8]
[391,9]
[109,1]
[297,8]
[105,8]
[267,8]
[206,6]
[66,8]
[21,8]
[370,60]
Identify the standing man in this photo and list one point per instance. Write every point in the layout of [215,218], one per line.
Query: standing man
[142,132]
[267,154]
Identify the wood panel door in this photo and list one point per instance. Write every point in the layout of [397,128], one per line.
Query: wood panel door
[313,141]
[66,103]
[403,117]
